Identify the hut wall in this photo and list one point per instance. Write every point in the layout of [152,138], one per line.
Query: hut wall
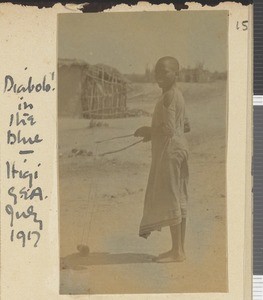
[103,95]
[69,91]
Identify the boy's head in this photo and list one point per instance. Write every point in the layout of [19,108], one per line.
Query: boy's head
[166,70]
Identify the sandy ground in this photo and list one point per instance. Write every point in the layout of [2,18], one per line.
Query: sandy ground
[101,202]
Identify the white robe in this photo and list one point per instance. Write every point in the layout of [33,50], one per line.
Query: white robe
[166,193]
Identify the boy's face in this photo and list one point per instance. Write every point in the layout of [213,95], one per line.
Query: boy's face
[165,74]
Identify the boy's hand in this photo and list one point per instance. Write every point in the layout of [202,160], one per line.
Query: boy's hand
[144,132]
[147,139]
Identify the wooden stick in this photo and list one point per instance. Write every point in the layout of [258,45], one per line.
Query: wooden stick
[114,138]
[119,150]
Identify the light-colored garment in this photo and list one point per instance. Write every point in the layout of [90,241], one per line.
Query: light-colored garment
[166,193]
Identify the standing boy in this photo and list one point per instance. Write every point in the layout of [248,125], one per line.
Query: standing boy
[166,193]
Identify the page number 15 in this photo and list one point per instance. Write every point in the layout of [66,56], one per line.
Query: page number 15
[242,25]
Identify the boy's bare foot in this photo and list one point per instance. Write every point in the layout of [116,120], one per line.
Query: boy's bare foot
[170,258]
[166,254]
[169,253]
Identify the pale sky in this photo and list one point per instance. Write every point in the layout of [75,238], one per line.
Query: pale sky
[129,41]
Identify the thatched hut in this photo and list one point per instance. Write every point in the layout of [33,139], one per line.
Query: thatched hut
[90,91]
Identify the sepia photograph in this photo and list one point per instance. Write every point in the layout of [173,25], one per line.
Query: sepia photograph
[142,145]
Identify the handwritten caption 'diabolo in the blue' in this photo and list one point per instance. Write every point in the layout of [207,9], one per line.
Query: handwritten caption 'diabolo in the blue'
[23,174]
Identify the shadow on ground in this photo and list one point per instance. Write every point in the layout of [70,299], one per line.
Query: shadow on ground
[77,262]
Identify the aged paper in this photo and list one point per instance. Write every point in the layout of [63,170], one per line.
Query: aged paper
[76,204]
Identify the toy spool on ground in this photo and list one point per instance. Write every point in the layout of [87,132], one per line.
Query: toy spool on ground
[83,250]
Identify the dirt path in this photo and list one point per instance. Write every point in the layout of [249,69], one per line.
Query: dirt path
[111,189]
